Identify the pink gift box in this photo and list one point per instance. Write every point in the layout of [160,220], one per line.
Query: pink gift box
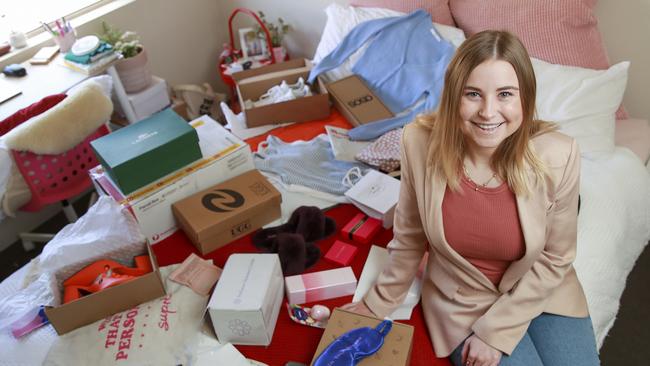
[321,285]
[341,253]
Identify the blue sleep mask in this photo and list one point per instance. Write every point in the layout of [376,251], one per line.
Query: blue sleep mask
[355,345]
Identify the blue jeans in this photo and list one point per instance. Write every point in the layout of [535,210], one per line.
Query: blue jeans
[550,340]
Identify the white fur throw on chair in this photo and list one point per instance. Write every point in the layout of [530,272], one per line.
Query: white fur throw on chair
[65,125]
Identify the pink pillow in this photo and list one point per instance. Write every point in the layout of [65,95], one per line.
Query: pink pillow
[557,31]
[439,9]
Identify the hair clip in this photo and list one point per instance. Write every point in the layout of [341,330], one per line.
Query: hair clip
[316,316]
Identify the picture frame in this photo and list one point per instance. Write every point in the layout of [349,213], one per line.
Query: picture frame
[252,46]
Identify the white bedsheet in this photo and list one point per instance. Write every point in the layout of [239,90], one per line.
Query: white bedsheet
[613,229]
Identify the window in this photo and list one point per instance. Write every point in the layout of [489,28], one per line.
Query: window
[26,15]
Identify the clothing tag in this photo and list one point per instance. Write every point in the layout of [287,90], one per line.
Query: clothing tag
[196,273]
[435,34]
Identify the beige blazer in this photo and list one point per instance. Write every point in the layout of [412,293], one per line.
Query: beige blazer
[457,298]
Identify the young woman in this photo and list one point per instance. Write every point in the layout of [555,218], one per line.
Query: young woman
[494,193]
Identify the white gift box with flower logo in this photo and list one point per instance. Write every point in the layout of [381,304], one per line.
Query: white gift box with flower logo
[245,304]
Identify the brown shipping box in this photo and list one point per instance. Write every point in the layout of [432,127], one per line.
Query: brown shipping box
[99,305]
[353,98]
[396,350]
[251,84]
[218,215]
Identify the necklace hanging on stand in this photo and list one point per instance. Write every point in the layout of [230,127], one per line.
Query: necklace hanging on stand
[476,185]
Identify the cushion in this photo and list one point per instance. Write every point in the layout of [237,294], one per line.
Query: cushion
[71,120]
[557,31]
[582,101]
[635,135]
[439,9]
[28,112]
[340,21]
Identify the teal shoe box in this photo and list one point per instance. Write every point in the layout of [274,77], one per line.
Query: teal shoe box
[143,152]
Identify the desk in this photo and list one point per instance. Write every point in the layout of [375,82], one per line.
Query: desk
[54,78]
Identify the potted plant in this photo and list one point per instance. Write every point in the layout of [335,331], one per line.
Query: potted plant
[133,67]
[277,33]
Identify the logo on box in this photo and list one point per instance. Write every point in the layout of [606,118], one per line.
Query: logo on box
[226,200]
[359,101]
[242,228]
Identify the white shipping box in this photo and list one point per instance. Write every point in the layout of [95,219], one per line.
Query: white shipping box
[376,261]
[224,157]
[245,304]
[148,101]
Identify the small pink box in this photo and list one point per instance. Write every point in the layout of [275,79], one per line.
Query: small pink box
[341,253]
[321,285]
[361,228]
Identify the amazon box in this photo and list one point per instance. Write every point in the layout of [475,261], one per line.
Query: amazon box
[218,215]
[251,84]
[356,101]
[396,350]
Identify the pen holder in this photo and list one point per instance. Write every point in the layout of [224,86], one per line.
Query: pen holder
[65,41]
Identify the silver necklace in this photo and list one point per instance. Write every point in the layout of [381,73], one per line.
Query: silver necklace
[476,185]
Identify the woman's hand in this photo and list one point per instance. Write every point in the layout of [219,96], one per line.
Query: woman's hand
[359,308]
[478,353]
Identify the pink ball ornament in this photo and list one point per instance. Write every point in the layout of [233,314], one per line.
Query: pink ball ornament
[320,312]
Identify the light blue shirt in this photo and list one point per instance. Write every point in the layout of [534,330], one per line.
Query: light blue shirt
[406,59]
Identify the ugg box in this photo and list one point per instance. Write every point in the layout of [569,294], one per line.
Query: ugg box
[361,228]
[353,98]
[141,153]
[245,304]
[321,285]
[96,306]
[396,350]
[251,84]
[218,215]
[224,157]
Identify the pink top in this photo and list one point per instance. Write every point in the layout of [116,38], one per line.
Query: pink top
[483,227]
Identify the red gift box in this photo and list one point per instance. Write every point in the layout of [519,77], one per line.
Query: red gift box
[361,228]
[341,253]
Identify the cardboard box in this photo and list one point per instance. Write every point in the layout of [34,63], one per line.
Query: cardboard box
[93,307]
[352,97]
[224,156]
[362,228]
[251,84]
[341,253]
[245,304]
[218,215]
[321,285]
[153,99]
[396,350]
[141,153]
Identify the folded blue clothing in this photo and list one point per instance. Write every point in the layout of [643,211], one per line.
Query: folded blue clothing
[306,163]
[406,60]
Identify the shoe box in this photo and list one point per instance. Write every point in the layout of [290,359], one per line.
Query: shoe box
[252,84]
[227,211]
[95,306]
[395,351]
[356,101]
[225,156]
[141,153]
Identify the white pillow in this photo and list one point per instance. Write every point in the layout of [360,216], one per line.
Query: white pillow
[582,101]
[340,21]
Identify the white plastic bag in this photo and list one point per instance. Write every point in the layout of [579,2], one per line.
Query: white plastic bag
[158,332]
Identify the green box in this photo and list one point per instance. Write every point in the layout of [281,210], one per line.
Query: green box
[143,152]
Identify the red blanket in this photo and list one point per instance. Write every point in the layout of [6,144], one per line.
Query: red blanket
[292,341]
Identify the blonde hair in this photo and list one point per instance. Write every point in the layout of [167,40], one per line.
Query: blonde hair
[446,141]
